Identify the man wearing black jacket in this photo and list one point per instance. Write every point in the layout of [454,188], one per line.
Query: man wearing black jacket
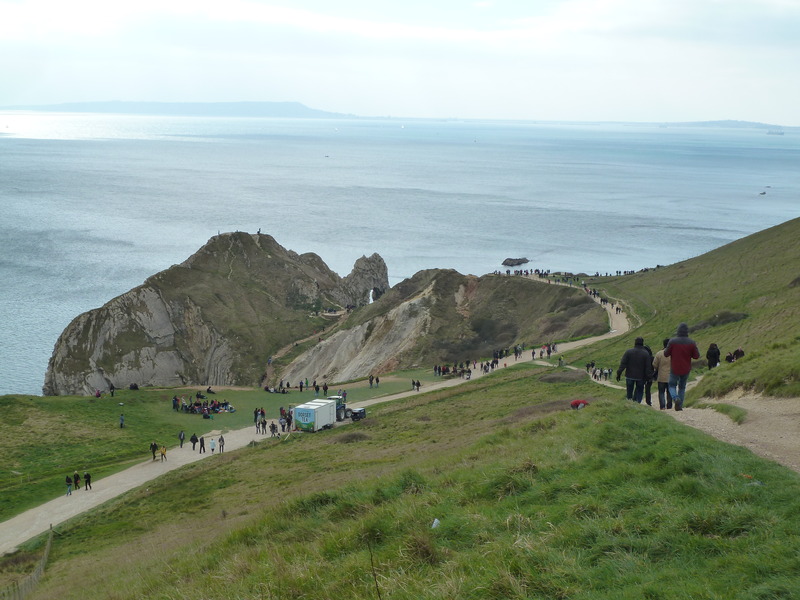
[637,365]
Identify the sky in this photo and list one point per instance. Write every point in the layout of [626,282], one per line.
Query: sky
[554,60]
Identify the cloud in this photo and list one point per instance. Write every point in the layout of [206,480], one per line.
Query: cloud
[543,59]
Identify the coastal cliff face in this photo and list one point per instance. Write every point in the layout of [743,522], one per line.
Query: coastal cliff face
[441,316]
[212,320]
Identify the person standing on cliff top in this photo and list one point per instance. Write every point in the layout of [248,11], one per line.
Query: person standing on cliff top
[681,349]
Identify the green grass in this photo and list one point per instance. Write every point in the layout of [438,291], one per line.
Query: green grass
[533,501]
[736,413]
[48,437]
[756,276]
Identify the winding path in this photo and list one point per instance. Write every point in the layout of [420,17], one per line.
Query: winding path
[35,521]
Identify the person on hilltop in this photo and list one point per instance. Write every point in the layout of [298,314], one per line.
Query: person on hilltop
[661,366]
[712,356]
[637,365]
[681,349]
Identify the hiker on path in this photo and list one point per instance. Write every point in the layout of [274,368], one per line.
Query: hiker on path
[712,356]
[154,449]
[76,477]
[194,440]
[163,453]
[637,366]
[213,445]
[202,445]
[69,486]
[661,366]
[221,444]
[682,349]
[87,480]
[181,437]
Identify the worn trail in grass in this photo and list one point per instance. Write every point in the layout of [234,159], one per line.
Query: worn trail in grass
[37,520]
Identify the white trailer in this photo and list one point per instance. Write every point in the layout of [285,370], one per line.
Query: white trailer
[315,415]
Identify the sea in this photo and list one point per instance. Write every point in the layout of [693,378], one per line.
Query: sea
[93,204]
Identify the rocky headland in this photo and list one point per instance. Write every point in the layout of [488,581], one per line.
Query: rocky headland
[212,320]
[216,319]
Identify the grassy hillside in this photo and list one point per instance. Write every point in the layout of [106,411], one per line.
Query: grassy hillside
[532,500]
[745,294]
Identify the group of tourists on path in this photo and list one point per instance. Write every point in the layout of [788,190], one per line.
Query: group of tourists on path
[75,479]
[669,368]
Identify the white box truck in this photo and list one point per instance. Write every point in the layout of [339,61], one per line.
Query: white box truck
[315,415]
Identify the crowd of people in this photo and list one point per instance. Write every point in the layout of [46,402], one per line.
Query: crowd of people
[201,405]
[669,368]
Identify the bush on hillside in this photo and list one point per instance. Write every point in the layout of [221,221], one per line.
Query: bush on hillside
[722,318]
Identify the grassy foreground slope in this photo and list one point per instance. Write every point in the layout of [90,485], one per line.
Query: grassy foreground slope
[744,294]
[533,501]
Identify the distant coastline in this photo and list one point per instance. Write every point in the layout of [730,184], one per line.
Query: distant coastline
[297,110]
[287,110]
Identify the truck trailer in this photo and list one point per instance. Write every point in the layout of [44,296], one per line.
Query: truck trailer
[315,415]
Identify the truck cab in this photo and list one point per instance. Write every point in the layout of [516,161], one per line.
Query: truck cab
[342,412]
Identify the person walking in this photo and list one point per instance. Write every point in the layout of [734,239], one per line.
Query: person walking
[221,444]
[661,366]
[87,480]
[202,445]
[637,366]
[163,453]
[194,441]
[213,445]
[69,486]
[712,356]
[181,437]
[154,449]
[121,420]
[76,477]
[681,349]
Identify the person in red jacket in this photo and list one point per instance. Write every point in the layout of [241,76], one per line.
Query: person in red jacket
[681,349]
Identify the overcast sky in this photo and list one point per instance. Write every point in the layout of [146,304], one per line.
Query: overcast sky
[598,60]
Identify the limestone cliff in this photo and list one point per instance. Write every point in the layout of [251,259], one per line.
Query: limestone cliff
[212,320]
[441,316]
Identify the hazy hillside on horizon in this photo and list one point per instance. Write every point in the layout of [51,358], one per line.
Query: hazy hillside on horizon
[298,110]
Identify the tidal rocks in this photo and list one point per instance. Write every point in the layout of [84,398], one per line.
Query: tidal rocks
[515,262]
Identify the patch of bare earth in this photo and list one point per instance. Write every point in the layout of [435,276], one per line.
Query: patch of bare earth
[771,428]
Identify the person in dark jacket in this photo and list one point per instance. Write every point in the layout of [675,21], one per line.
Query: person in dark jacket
[637,365]
[681,350]
[712,356]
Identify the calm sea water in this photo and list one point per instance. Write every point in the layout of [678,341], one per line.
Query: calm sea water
[93,204]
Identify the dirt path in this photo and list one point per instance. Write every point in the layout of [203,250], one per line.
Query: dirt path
[771,430]
[38,520]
